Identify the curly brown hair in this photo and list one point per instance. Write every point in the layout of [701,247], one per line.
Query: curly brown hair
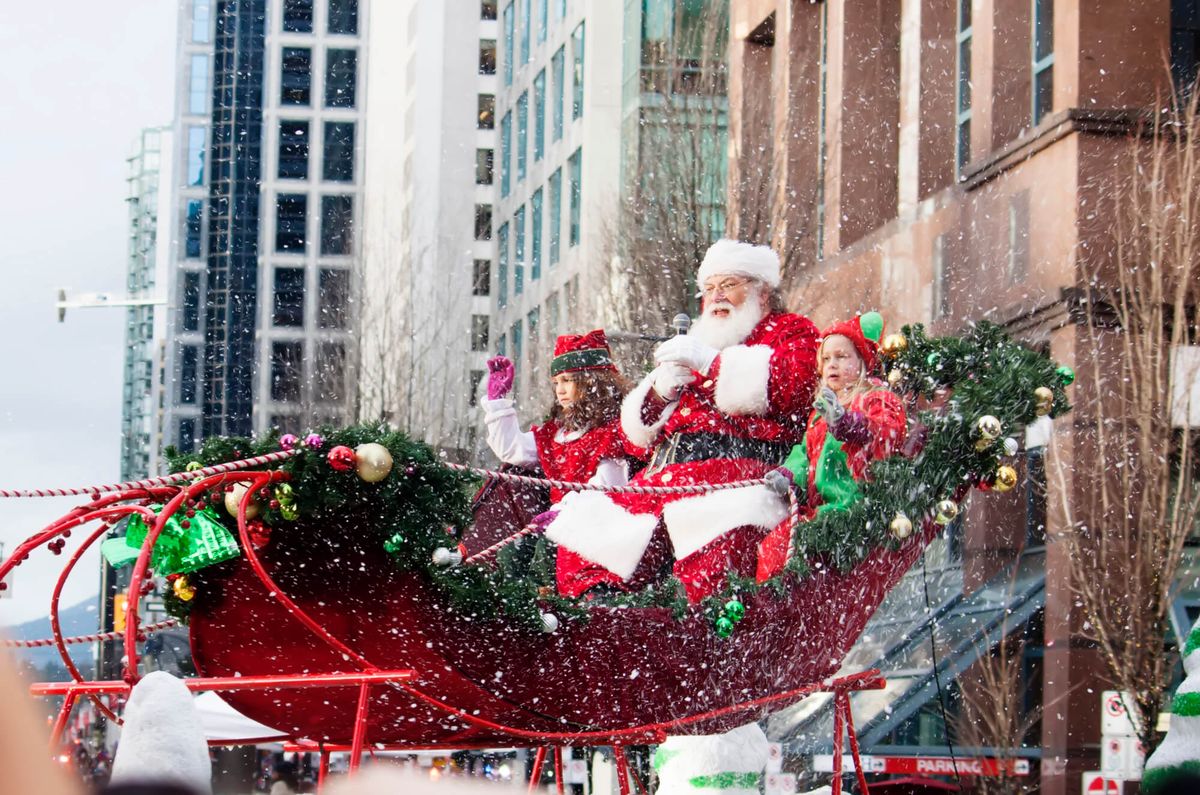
[600,396]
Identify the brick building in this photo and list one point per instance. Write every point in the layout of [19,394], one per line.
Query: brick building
[945,162]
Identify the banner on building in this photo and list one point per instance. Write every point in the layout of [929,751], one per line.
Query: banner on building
[928,765]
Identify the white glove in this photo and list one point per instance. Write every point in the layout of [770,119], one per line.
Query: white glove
[670,379]
[686,350]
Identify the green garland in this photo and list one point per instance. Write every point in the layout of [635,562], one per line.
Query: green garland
[984,372]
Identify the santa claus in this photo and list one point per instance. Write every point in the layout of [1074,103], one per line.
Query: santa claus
[725,403]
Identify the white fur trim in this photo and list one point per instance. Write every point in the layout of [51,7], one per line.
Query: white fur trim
[743,379]
[635,429]
[694,522]
[733,257]
[593,526]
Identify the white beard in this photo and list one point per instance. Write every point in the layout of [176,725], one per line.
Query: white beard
[722,332]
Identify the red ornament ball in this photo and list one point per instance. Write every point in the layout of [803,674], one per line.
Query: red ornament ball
[342,458]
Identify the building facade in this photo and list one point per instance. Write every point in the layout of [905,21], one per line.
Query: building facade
[427,254]
[266,202]
[947,162]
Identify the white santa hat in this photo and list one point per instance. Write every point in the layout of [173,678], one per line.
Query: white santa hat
[747,259]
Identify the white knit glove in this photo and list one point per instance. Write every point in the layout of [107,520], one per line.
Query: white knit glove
[686,350]
[670,379]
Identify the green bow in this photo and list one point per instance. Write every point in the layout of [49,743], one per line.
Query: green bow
[178,549]
[727,781]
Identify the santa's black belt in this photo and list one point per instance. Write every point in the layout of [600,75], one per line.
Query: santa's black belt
[681,448]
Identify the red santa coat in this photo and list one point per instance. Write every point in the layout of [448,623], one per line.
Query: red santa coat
[757,390]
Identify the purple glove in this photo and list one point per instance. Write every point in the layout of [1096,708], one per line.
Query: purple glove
[851,428]
[500,377]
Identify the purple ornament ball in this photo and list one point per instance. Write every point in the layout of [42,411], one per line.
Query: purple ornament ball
[288,441]
[314,441]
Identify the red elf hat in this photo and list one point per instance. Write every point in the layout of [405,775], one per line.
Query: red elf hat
[864,332]
[581,352]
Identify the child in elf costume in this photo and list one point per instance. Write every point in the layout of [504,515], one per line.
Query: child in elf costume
[856,420]
[580,441]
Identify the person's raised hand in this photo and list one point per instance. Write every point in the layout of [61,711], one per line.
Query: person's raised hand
[500,377]
[828,406]
[686,350]
[779,480]
[670,378]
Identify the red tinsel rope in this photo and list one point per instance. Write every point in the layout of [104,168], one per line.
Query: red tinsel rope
[164,480]
[702,488]
[93,638]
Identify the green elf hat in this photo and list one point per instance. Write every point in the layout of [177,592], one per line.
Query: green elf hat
[864,332]
[581,352]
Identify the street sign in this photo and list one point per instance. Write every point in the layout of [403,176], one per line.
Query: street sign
[1115,709]
[1122,758]
[775,757]
[928,765]
[781,784]
[1094,783]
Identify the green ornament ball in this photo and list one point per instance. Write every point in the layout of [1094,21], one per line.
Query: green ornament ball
[723,627]
[933,359]
[734,610]
[1066,375]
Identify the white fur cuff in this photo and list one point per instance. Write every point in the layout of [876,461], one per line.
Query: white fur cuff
[635,429]
[694,522]
[594,527]
[743,379]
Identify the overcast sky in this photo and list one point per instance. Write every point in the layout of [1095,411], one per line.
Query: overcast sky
[78,80]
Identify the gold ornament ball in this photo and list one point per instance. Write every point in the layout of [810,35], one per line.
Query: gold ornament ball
[1006,478]
[234,498]
[988,427]
[893,344]
[1045,399]
[894,378]
[947,511]
[373,462]
[184,589]
[901,527]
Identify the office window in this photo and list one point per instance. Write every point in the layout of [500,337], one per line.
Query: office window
[555,214]
[291,218]
[502,263]
[962,92]
[575,167]
[337,225]
[197,138]
[333,298]
[519,251]
[1185,44]
[189,317]
[481,282]
[483,166]
[293,150]
[341,78]
[502,345]
[1043,58]
[298,16]
[535,232]
[514,334]
[940,292]
[331,371]
[288,303]
[526,25]
[343,17]
[337,163]
[187,436]
[559,88]
[577,72]
[476,383]
[522,133]
[533,330]
[539,115]
[552,314]
[202,21]
[287,367]
[295,84]
[189,375]
[509,18]
[483,222]
[487,112]
[487,56]
[479,332]
[198,85]
[487,9]
[562,9]
[194,228]
[543,20]
[505,153]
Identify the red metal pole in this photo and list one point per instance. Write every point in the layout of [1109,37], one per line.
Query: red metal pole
[837,745]
[322,770]
[622,769]
[60,723]
[360,727]
[558,769]
[535,774]
[852,735]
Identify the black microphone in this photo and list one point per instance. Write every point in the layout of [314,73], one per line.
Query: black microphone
[681,323]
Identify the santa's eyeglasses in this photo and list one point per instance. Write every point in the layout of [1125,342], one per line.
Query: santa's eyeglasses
[725,287]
